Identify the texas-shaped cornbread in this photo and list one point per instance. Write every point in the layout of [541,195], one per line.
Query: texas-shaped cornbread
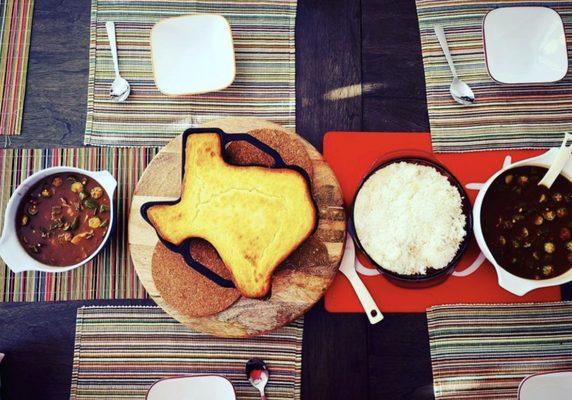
[255,217]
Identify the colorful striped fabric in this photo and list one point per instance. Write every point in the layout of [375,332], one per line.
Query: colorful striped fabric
[16,18]
[121,351]
[111,274]
[504,116]
[264,86]
[483,351]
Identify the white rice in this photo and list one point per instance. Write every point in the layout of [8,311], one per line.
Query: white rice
[409,218]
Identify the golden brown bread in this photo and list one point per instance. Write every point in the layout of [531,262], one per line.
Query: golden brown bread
[253,216]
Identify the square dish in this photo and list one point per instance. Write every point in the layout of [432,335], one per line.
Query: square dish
[192,388]
[192,54]
[525,45]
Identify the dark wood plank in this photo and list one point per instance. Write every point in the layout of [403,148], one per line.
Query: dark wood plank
[38,340]
[393,78]
[335,356]
[328,59]
[55,104]
[399,358]
[328,55]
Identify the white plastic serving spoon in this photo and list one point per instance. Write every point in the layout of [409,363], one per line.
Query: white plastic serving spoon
[558,164]
[347,267]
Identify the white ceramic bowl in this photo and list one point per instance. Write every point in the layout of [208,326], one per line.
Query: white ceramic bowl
[192,54]
[200,387]
[512,283]
[525,45]
[11,250]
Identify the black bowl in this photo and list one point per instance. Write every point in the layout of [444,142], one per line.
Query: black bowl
[433,276]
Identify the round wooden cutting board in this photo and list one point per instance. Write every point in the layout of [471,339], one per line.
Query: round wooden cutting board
[296,285]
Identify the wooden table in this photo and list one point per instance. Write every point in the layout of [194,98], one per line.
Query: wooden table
[369,47]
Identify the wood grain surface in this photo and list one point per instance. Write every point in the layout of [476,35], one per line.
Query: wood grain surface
[296,285]
[56,84]
[393,80]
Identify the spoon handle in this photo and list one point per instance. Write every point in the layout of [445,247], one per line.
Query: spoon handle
[370,307]
[348,268]
[558,164]
[110,26]
[440,32]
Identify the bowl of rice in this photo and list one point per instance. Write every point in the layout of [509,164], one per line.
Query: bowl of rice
[412,219]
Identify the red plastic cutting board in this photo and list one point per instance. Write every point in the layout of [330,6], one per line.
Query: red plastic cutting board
[351,155]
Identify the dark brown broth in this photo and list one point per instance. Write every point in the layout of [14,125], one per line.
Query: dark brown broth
[57,225]
[528,227]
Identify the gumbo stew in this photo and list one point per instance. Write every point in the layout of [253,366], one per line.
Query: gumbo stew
[528,227]
[63,219]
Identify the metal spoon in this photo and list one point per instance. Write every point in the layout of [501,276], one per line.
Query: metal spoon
[120,88]
[560,161]
[460,91]
[257,374]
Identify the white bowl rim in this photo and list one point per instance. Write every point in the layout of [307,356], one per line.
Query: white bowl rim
[16,257]
[513,283]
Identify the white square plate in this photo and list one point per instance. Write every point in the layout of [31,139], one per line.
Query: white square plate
[200,387]
[549,386]
[192,54]
[525,45]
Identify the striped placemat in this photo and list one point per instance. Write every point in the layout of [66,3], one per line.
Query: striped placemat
[15,31]
[121,351]
[110,275]
[504,116]
[482,351]
[263,33]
